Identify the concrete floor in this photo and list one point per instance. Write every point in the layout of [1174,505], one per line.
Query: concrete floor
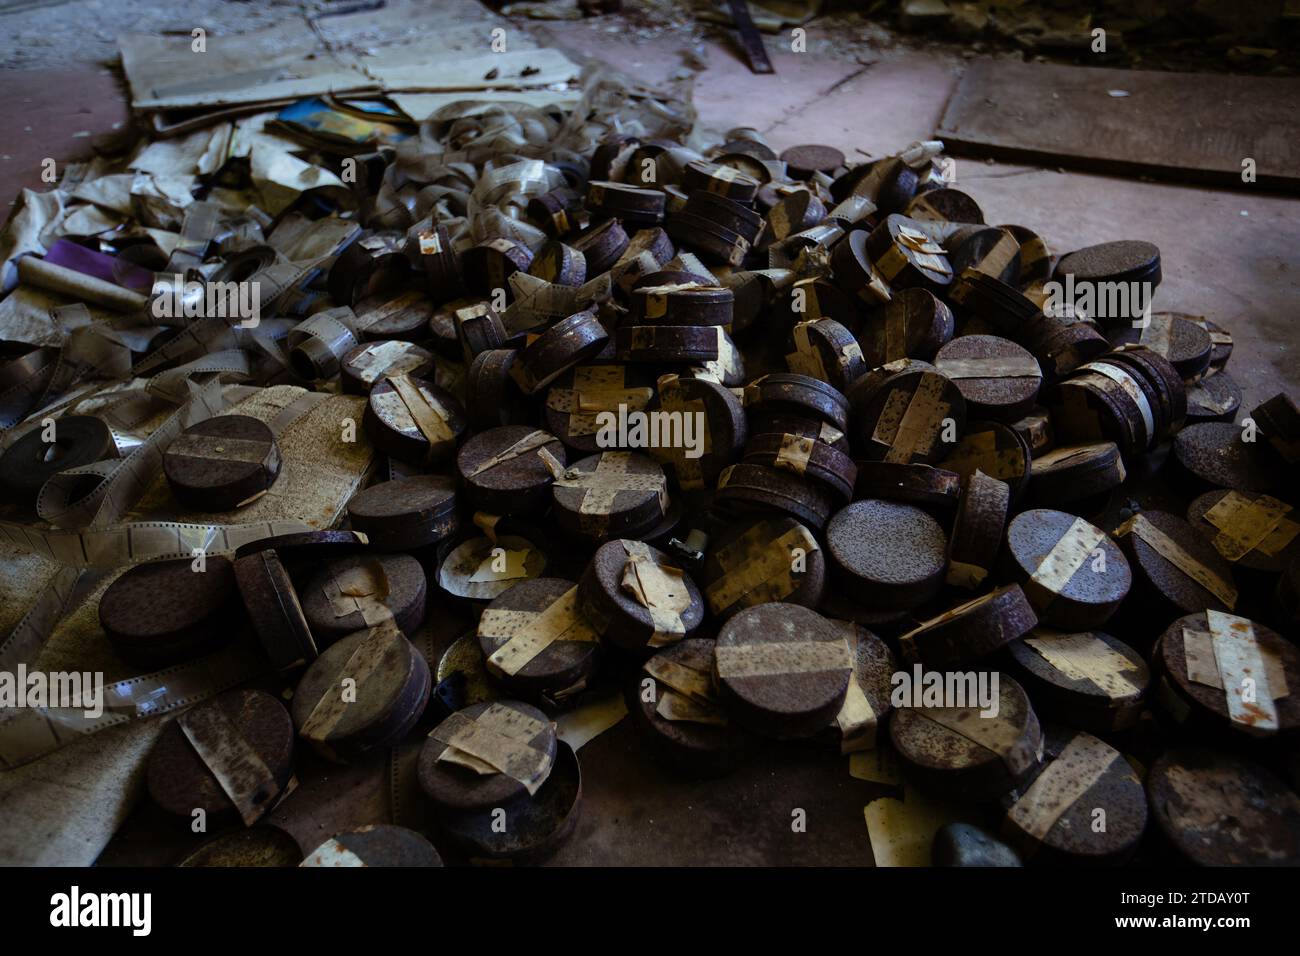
[1233,256]
[1230,255]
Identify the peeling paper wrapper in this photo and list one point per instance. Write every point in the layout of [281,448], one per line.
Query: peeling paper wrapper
[496,741]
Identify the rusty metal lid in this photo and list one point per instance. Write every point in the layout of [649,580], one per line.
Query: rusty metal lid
[275,610]
[977,529]
[565,344]
[912,324]
[1000,751]
[364,691]
[1186,656]
[1213,454]
[390,506]
[1042,820]
[1073,572]
[181,780]
[221,462]
[782,669]
[894,554]
[759,560]
[610,494]
[915,416]
[1089,680]
[810,158]
[972,630]
[1220,810]
[376,845]
[638,597]
[505,471]
[699,738]
[998,378]
[1174,569]
[256,846]
[535,828]
[166,611]
[364,590]
[744,488]
[569,648]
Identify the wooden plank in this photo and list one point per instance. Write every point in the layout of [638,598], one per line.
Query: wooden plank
[750,39]
[1187,126]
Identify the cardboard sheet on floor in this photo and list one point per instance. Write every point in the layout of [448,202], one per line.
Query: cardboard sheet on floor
[1196,127]
[401,47]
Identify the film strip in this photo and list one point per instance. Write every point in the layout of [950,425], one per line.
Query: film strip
[63,501]
[29,733]
[137,542]
[89,552]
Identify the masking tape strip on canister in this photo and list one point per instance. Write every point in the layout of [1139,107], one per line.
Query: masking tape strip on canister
[500,738]
[1203,667]
[686,681]
[427,412]
[980,450]
[795,453]
[1128,383]
[334,854]
[998,366]
[243,775]
[1082,762]
[856,720]
[1246,524]
[737,661]
[689,471]
[758,569]
[216,448]
[910,422]
[679,708]
[1245,671]
[895,334]
[1157,334]
[364,661]
[994,734]
[392,357]
[502,564]
[361,588]
[964,575]
[527,633]
[394,306]
[601,487]
[1066,557]
[607,400]
[996,260]
[720,179]
[1172,552]
[529,443]
[659,588]
[1086,657]
[806,359]
[908,639]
